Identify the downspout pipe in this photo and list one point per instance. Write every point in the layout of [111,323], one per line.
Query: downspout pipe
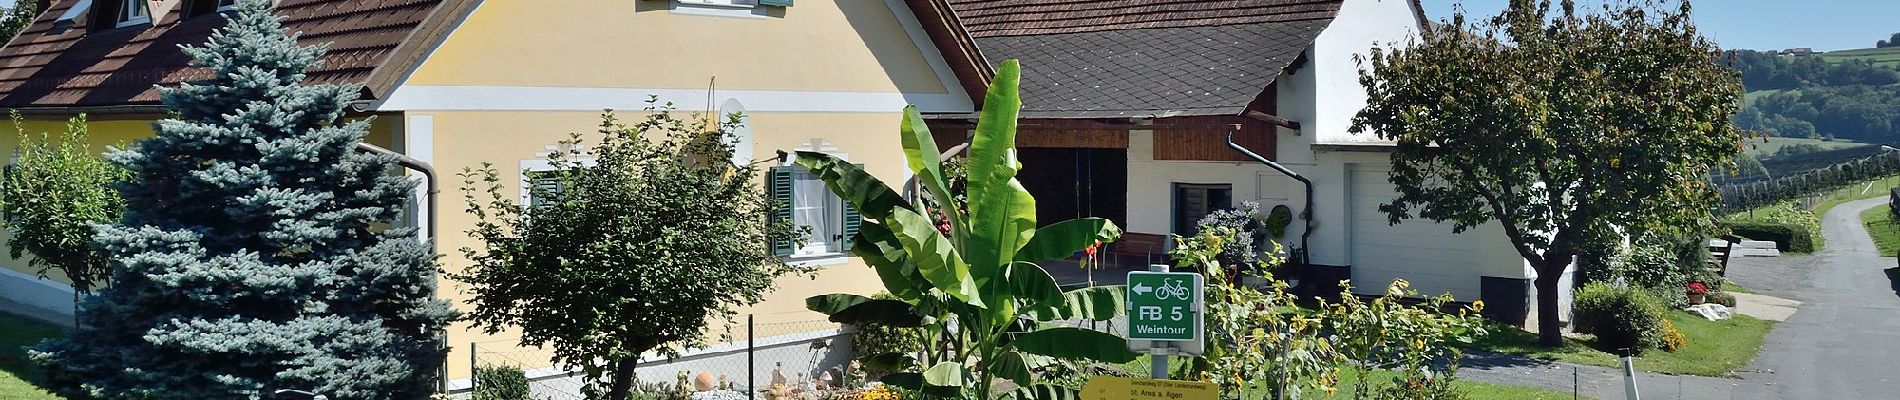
[428,174]
[1306,214]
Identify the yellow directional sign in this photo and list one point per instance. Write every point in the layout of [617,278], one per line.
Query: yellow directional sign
[1116,388]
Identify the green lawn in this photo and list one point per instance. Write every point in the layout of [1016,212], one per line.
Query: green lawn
[17,332]
[1884,57]
[1880,225]
[1760,149]
[1715,348]
[1474,390]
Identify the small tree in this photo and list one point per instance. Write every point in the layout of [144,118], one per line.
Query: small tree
[17,19]
[1562,127]
[57,189]
[633,246]
[251,258]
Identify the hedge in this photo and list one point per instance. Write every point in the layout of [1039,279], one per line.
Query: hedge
[1788,237]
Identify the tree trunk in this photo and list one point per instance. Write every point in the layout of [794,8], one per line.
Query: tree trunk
[1550,331]
[623,377]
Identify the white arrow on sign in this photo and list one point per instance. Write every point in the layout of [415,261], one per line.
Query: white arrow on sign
[1142,289]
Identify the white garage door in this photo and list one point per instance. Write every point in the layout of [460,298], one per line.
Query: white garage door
[1427,254]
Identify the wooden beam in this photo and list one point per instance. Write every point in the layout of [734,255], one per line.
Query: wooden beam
[1271,119]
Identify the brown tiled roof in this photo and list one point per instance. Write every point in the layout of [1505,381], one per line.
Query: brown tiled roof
[989,18]
[372,42]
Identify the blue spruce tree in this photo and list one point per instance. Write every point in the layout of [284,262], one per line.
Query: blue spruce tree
[253,254]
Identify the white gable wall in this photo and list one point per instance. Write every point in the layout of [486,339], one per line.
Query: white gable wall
[1349,230]
[1361,25]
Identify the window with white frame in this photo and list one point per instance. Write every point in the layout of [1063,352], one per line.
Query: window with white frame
[827,220]
[819,212]
[133,12]
[227,5]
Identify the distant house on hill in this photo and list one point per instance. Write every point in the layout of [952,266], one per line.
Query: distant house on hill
[1799,51]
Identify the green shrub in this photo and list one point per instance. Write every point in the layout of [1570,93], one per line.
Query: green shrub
[872,339]
[1620,316]
[1792,238]
[1723,298]
[1661,265]
[500,382]
[1793,228]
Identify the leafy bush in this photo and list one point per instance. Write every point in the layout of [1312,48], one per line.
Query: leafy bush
[874,339]
[1723,298]
[500,382]
[1621,317]
[1252,236]
[1659,264]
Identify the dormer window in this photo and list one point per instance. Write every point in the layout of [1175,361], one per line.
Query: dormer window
[132,12]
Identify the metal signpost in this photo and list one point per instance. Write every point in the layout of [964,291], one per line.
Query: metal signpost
[1164,314]
[1164,318]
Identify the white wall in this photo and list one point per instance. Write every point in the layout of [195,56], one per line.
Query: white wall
[1151,184]
[1361,25]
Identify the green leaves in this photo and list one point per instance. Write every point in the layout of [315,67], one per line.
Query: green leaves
[935,257]
[1002,213]
[1063,239]
[1076,343]
[1032,285]
[975,282]
[855,309]
[1018,366]
[1100,303]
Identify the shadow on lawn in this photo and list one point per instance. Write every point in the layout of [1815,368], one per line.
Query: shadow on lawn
[1505,346]
[16,334]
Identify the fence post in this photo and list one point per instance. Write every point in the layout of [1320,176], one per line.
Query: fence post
[472,368]
[750,367]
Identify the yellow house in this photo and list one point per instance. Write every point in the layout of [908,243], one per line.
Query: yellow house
[459,83]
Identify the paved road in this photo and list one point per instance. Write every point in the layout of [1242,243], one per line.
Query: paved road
[1843,344]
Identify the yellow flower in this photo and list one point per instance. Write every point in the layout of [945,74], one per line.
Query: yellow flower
[1477,306]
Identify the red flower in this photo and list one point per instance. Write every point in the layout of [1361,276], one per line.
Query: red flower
[1090,251]
[1698,288]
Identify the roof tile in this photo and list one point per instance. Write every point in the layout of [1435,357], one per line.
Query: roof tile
[113,67]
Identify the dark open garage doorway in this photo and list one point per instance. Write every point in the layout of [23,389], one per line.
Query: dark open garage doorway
[1074,183]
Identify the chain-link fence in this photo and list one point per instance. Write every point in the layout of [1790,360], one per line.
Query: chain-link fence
[756,354]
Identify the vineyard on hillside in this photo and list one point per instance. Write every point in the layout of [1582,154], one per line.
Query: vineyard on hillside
[1803,175]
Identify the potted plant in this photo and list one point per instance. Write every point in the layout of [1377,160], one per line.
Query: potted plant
[1696,291]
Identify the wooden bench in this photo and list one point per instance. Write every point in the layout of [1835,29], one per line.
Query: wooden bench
[1138,249]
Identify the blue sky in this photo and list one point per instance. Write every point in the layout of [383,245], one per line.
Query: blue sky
[1759,24]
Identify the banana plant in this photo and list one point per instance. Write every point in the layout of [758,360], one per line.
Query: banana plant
[975,287]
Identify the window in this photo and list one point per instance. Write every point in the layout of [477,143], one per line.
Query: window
[543,187]
[227,5]
[829,221]
[1193,201]
[133,12]
[722,3]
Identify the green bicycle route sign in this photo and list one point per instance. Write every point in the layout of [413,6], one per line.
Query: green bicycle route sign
[1164,306]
